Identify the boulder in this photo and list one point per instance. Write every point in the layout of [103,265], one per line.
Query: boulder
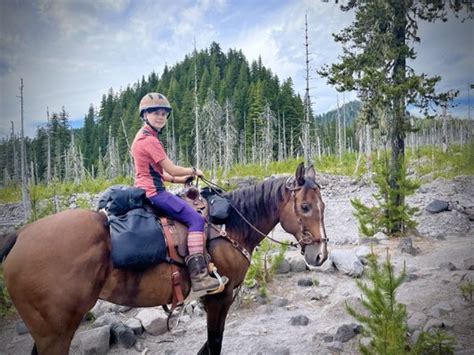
[107,319]
[135,325]
[437,206]
[469,263]
[123,335]
[21,328]
[92,342]
[416,321]
[284,267]
[345,333]
[305,282]
[406,246]
[449,266]
[154,321]
[299,320]
[441,309]
[347,262]
[297,265]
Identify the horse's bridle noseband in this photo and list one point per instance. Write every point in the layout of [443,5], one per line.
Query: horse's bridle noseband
[306,236]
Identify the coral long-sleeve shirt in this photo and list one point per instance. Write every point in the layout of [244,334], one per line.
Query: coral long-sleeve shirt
[147,152]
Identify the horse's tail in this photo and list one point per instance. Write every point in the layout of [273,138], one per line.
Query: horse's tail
[6,244]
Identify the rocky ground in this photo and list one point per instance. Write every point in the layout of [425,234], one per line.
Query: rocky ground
[305,312]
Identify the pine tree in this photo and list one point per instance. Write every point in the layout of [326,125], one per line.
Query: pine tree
[377,47]
[384,215]
[384,321]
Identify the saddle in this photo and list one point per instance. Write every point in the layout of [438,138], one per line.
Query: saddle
[141,236]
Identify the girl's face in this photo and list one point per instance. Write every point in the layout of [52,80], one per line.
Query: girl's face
[157,118]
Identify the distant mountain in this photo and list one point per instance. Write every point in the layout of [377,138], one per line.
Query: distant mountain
[350,110]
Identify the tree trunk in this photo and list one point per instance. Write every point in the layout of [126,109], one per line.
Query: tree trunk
[397,131]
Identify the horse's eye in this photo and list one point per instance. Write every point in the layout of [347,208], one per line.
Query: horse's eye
[305,207]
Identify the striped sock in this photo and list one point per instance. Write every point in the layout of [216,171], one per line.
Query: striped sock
[195,242]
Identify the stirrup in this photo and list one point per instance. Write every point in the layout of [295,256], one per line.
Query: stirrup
[223,280]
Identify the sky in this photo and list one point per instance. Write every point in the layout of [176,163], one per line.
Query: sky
[71,52]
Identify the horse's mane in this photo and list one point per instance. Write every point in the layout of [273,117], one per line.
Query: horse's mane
[259,202]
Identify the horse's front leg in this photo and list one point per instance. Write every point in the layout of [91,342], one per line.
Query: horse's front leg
[217,307]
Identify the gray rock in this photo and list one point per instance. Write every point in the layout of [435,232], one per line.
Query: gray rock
[437,206]
[448,266]
[92,342]
[441,309]
[380,236]
[432,323]
[347,262]
[122,334]
[447,324]
[284,267]
[328,338]
[280,301]
[135,325]
[469,212]
[344,333]
[154,321]
[469,263]
[416,321]
[363,252]
[107,319]
[414,337]
[406,246]
[297,265]
[102,307]
[336,346]
[305,282]
[21,328]
[299,320]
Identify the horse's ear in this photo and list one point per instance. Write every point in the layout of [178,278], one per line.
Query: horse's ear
[311,173]
[300,174]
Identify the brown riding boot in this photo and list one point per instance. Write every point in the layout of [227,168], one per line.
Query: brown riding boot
[200,279]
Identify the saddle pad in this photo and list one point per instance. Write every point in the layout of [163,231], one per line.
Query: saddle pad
[137,240]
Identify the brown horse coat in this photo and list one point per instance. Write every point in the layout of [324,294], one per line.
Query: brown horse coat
[60,265]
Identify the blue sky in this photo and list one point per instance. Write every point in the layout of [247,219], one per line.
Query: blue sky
[70,52]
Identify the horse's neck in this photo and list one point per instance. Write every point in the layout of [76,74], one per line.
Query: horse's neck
[263,219]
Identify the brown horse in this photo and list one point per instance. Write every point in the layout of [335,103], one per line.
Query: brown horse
[60,265]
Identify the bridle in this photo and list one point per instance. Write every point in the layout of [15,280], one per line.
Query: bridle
[306,236]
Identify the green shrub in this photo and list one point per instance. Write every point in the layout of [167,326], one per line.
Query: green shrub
[385,323]
[265,261]
[467,290]
[435,342]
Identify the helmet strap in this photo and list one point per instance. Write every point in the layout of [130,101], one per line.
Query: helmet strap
[149,124]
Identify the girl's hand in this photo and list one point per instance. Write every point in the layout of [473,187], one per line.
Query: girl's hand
[197,172]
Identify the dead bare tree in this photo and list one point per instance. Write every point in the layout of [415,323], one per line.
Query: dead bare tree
[267,148]
[16,173]
[230,137]
[24,178]
[197,141]
[211,120]
[307,102]
[48,163]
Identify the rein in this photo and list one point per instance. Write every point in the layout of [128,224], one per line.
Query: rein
[213,187]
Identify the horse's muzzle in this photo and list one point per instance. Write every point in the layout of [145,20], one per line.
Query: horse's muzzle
[315,254]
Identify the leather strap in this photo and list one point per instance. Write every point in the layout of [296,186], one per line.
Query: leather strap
[178,297]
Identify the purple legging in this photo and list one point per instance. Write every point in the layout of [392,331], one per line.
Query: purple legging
[175,207]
